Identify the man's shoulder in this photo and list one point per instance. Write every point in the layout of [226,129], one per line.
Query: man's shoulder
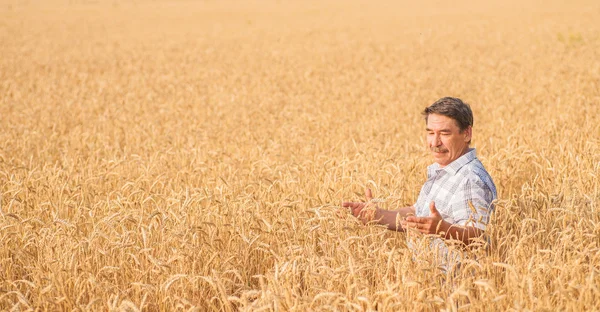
[474,169]
[474,166]
[475,173]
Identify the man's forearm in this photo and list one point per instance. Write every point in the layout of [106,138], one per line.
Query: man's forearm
[391,218]
[465,234]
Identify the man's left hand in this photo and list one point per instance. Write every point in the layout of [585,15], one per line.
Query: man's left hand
[426,225]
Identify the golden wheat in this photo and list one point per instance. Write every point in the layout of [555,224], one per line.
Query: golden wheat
[180,155]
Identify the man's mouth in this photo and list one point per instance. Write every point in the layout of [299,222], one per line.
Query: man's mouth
[438,150]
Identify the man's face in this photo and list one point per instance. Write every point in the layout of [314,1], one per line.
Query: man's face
[445,140]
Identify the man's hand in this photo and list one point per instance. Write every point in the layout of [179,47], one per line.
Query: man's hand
[366,211]
[370,211]
[433,224]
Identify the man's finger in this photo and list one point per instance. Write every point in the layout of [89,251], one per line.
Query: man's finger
[433,210]
[412,219]
[412,225]
[418,219]
[352,204]
[368,194]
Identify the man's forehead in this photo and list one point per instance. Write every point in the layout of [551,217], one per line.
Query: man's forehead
[441,122]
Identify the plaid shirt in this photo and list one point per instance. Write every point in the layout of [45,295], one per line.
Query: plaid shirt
[463,192]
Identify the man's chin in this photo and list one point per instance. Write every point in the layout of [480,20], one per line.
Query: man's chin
[439,158]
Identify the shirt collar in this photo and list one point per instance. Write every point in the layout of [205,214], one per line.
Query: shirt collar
[454,166]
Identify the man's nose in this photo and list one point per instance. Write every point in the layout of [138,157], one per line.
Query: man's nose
[436,140]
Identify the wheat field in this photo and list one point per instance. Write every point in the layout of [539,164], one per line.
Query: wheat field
[193,155]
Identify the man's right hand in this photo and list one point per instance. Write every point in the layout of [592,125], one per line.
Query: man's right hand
[366,211]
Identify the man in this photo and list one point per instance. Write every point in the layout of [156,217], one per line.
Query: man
[456,200]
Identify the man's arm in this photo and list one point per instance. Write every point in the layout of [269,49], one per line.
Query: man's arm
[465,234]
[369,211]
[393,218]
[434,224]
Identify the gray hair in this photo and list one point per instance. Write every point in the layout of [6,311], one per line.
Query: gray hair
[454,108]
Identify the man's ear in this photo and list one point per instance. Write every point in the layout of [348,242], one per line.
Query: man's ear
[468,133]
